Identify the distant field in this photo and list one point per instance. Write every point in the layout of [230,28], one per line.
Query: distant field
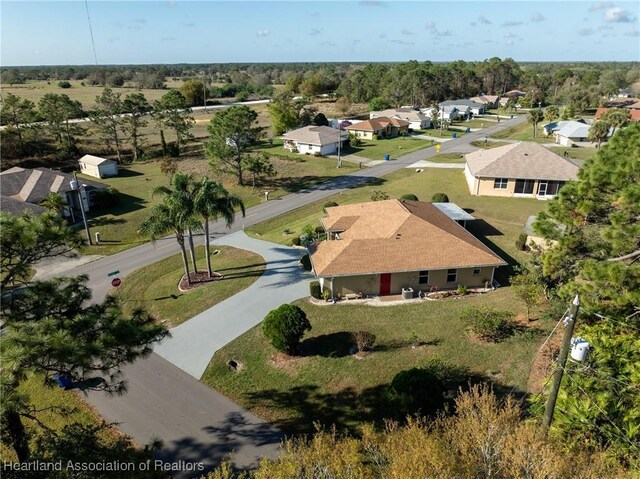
[34,90]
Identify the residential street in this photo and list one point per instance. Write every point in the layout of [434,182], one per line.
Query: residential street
[195,422]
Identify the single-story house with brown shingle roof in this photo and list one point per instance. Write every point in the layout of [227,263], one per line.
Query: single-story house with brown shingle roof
[523,169]
[489,101]
[382,127]
[32,186]
[381,247]
[315,139]
[416,119]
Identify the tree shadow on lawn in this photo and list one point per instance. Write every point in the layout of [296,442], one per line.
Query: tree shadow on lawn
[333,345]
[294,184]
[126,204]
[349,408]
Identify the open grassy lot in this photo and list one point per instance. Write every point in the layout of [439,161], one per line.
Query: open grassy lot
[85,94]
[328,385]
[118,226]
[488,144]
[376,149]
[155,287]
[523,132]
[499,220]
[448,158]
[47,403]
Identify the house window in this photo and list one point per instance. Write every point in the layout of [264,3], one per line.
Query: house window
[476,271]
[452,275]
[500,183]
[524,187]
[423,277]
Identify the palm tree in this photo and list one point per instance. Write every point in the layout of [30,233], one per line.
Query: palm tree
[551,113]
[213,201]
[182,194]
[599,131]
[535,116]
[169,217]
[54,202]
[617,118]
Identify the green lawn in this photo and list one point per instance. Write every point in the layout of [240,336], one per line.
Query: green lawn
[326,384]
[376,149]
[155,287]
[581,154]
[523,132]
[448,158]
[500,220]
[118,226]
[488,145]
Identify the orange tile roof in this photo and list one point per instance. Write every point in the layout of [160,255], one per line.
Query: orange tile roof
[634,115]
[393,236]
[376,124]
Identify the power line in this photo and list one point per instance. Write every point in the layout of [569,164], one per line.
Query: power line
[93,43]
[619,322]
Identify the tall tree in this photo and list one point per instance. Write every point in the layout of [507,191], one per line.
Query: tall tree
[213,201]
[595,223]
[58,111]
[181,196]
[193,92]
[551,113]
[535,117]
[172,111]
[259,166]
[17,114]
[283,113]
[617,118]
[599,132]
[136,106]
[231,133]
[50,331]
[108,120]
[27,239]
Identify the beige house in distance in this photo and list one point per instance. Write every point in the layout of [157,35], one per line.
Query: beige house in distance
[315,139]
[98,167]
[381,127]
[383,247]
[416,119]
[523,169]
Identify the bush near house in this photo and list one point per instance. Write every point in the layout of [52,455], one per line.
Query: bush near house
[285,326]
[489,324]
[409,197]
[315,290]
[440,198]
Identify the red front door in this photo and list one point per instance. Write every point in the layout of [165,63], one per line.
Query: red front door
[385,283]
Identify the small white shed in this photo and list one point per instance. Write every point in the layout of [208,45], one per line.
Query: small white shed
[98,167]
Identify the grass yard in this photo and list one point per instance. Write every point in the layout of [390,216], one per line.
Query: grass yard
[376,149]
[523,132]
[488,145]
[499,220]
[448,158]
[118,226]
[580,154]
[47,402]
[155,287]
[326,384]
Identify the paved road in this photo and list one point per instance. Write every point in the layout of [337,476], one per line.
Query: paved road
[193,343]
[163,401]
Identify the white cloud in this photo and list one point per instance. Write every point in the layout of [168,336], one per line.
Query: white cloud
[632,33]
[263,33]
[512,23]
[484,20]
[315,31]
[537,17]
[406,32]
[585,32]
[618,15]
[600,6]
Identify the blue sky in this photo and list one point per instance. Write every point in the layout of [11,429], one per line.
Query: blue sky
[177,31]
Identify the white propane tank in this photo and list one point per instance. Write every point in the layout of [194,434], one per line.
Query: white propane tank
[73,184]
[579,349]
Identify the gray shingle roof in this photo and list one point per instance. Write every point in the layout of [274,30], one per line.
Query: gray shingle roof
[524,160]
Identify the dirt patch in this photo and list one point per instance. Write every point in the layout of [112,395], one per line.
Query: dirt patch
[286,363]
[543,362]
[198,279]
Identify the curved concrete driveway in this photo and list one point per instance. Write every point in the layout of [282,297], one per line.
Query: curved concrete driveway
[194,342]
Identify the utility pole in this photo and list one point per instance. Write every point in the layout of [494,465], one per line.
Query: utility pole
[84,216]
[570,323]
[339,144]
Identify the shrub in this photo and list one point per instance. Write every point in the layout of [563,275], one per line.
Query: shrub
[379,195]
[521,242]
[314,289]
[64,84]
[409,197]
[319,229]
[326,294]
[329,204]
[317,154]
[354,140]
[488,323]
[285,326]
[462,289]
[295,241]
[440,198]
[364,340]
[305,239]
[305,261]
